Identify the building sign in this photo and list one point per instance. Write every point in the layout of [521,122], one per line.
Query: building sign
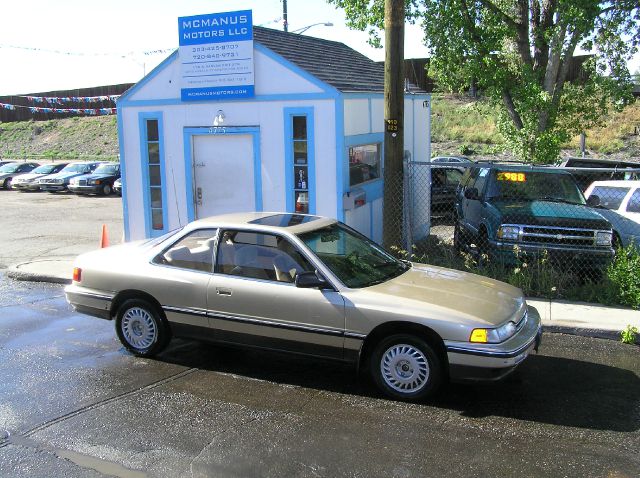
[216,56]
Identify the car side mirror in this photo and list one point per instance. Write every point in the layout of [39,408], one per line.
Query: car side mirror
[471,194]
[593,200]
[310,280]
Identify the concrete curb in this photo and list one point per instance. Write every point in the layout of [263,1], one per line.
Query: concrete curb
[582,332]
[22,272]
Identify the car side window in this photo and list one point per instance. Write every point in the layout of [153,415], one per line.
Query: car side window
[259,255]
[194,251]
[481,180]
[634,202]
[610,197]
[453,177]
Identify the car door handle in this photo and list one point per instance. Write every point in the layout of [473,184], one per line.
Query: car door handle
[220,291]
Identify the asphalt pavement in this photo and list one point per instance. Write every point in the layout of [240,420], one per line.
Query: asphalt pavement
[74,403]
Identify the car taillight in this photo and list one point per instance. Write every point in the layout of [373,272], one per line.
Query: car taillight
[77,274]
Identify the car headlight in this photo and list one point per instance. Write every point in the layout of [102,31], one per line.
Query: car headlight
[510,233]
[94,182]
[603,238]
[58,181]
[73,182]
[493,336]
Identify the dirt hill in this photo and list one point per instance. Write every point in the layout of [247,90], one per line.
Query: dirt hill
[459,126]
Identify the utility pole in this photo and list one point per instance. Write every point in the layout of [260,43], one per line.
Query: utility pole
[392,226]
[285,21]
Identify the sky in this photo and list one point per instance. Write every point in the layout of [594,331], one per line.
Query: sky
[104,41]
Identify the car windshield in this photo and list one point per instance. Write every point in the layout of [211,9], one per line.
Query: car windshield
[9,168]
[44,169]
[107,169]
[535,186]
[75,168]
[354,259]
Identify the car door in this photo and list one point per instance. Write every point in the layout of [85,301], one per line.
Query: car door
[180,279]
[472,208]
[253,300]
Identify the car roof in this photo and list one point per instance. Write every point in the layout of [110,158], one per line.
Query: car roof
[522,167]
[266,221]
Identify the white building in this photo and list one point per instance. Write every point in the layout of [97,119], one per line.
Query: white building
[311,136]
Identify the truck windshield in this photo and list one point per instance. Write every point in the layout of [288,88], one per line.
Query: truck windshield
[354,259]
[535,185]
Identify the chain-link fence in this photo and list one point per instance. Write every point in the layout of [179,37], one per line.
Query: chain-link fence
[550,230]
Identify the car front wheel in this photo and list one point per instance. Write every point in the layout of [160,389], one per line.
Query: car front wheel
[141,328]
[7,183]
[106,189]
[406,367]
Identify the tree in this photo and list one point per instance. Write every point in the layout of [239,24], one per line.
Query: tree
[518,52]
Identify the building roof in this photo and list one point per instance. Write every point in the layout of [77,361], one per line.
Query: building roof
[331,62]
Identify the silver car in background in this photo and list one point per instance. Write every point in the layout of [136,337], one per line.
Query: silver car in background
[309,285]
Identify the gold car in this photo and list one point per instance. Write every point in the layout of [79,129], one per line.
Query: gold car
[313,286]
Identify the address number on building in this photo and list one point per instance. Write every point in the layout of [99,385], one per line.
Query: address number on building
[393,125]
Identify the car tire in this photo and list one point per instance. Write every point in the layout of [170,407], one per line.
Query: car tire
[141,328]
[406,367]
[106,190]
[616,242]
[484,256]
[459,238]
[7,184]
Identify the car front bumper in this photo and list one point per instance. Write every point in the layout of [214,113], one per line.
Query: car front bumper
[53,187]
[93,189]
[25,186]
[471,361]
[504,253]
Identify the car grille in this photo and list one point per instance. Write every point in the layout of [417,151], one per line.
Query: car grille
[82,182]
[558,236]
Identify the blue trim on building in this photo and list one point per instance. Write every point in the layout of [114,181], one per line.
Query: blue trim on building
[123,174]
[190,132]
[144,163]
[358,139]
[289,162]
[278,97]
[342,162]
[146,79]
[374,189]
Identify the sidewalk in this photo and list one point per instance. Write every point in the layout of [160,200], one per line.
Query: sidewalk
[576,318]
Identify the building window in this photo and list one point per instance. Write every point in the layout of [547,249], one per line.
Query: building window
[300,165]
[364,163]
[155,175]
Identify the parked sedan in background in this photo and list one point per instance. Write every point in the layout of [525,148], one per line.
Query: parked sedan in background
[11,170]
[117,186]
[450,159]
[313,286]
[619,203]
[100,181]
[29,181]
[60,181]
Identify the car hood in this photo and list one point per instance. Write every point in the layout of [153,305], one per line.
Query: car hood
[98,176]
[31,176]
[550,213]
[446,294]
[65,175]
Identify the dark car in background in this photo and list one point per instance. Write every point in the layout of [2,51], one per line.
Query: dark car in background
[100,181]
[30,181]
[507,210]
[60,181]
[11,170]
[444,182]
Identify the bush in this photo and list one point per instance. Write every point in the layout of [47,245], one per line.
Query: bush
[624,275]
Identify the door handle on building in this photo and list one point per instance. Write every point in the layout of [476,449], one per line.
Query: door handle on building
[199,196]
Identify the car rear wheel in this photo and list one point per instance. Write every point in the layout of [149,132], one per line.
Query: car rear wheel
[406,367]
[141,328]
[106,189]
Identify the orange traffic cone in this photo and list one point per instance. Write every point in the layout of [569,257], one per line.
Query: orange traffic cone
[104,239]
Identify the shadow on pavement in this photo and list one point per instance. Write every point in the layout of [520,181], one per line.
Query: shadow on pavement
[544,389]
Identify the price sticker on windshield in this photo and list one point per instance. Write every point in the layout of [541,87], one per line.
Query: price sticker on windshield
[515,177]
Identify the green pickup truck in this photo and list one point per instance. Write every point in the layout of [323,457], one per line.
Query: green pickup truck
[501,206]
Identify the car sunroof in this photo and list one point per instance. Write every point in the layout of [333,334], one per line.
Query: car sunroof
[284,220]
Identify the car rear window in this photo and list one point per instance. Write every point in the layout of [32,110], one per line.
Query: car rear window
[634,202]
[610,196]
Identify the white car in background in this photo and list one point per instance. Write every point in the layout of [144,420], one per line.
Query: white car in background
[620,205]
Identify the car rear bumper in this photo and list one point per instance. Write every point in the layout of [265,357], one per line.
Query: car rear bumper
[88,301]
[469,361]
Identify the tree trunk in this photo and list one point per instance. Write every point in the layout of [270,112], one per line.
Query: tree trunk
[394,123]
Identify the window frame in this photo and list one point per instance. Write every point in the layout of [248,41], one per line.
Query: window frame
[144,119]
[379,153]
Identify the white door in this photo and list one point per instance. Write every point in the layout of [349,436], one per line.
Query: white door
[223,174]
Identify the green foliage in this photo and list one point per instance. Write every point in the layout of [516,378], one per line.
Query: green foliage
[628,336]
[624,275]
[518,54]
